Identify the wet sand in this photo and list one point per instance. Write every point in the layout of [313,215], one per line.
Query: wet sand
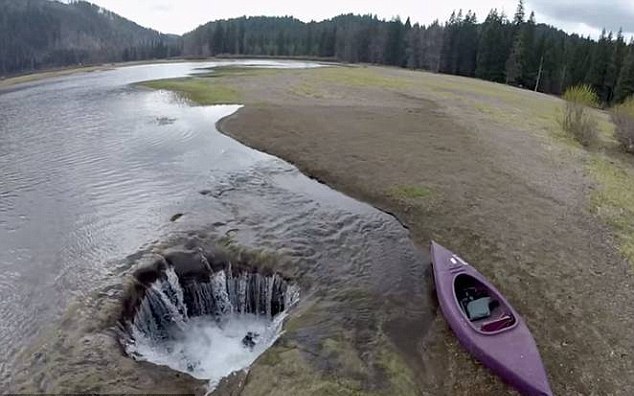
[454,160]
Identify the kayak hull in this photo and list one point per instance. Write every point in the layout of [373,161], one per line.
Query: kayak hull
[503,344]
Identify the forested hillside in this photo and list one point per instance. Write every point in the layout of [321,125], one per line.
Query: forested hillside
[513,50]
[37,34]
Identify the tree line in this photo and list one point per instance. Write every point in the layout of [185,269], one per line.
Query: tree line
[516,51]
[36,34]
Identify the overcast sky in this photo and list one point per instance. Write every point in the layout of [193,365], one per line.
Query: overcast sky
[180,16]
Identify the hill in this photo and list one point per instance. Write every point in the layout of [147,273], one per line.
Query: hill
[37,34]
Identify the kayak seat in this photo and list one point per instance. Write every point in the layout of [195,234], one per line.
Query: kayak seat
[498,324]
[479,308]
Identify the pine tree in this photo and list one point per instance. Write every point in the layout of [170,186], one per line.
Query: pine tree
[518,20]
[467,46]
[530,57]
[218,41]
[413,48]
[432,46]
[515,62]
[552,52]
[625,85]
[615,65]
[395,44]
[600,60]
[449,52]
[492,55]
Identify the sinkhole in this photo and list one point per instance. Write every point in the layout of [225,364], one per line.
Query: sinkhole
[204,314]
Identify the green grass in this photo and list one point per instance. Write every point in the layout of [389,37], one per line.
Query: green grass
[410,192]
[613,201]
[359,77]
[464,86]
[199,90]
[307,90]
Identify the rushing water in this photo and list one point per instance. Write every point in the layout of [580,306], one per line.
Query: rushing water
[212,327]
[93,169]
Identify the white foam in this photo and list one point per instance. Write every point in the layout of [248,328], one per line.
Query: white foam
[209,350]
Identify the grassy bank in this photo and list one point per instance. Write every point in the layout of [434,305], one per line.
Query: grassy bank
[613,200]
[500,104]
[208,88]
[37,76]
[201,91]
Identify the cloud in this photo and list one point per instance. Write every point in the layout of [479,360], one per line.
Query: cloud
[162,7]
[172,16]
[586,17]
[598,14]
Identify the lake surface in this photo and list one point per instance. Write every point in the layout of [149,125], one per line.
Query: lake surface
[92,169]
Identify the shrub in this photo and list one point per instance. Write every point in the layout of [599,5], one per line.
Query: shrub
[623,118]
[578,119]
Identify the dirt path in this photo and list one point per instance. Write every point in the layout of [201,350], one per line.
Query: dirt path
[455,161]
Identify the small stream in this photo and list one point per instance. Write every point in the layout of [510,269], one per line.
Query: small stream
[97,174]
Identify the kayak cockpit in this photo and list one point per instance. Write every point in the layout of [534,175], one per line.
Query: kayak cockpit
[484,309]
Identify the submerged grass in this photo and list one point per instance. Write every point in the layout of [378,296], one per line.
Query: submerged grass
[284,370]
[199,90]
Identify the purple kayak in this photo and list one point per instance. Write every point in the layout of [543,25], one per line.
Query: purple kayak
[486,324]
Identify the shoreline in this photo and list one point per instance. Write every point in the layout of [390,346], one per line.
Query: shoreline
[38,75]
[221,127]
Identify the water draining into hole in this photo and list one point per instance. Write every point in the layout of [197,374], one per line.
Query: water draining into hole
[207,322]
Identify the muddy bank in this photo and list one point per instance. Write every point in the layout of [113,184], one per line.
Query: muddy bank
[506,198]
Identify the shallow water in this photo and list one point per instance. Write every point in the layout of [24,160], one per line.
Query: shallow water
[93,169]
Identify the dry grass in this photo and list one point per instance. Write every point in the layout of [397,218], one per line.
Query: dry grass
[613,201]
[359,77]
[623,118]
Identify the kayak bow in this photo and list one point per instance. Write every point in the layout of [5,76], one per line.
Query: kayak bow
[486,324]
